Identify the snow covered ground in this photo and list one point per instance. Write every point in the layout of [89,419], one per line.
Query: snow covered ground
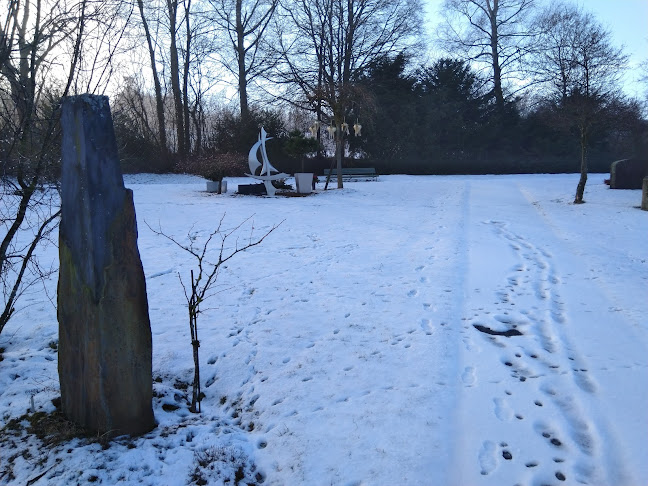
[455,330]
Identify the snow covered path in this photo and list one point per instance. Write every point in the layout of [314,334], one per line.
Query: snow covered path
[460,330]
[350,355]
[548,405]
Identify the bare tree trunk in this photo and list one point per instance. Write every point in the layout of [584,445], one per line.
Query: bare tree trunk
[494,44]
[318,108]
[198,121]
[194,303]
[240,57]
[172,6]
[580,189]
[159,102]
[185,80]
[339,151]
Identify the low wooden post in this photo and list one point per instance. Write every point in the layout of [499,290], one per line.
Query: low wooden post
[644,194]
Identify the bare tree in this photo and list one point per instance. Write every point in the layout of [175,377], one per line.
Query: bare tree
[173,9]
[325,46]
[494,33]
[159,98]
[245,25]
[580,69]
[204,279]
[42,59]
[175,33]
[643,78]
[29,35]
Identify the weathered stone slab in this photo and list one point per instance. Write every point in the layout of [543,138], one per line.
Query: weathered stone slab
[628,173]
[105,348]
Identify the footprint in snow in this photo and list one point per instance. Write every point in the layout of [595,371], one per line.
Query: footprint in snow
[487,458]
[426,325]
[583,381]
[355,483]
[546,432]
[502,410]
[468,376]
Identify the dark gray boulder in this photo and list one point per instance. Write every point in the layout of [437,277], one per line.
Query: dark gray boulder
[628,173]
[105,348]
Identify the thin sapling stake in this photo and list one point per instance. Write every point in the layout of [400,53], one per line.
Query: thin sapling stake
[204,278]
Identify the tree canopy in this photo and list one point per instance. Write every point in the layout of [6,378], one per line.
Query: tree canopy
[517,78]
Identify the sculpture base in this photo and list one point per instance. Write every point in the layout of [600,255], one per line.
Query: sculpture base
[252,189]
[217,187]
[304,182]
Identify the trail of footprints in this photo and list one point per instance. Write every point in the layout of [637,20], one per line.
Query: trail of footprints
[534,351]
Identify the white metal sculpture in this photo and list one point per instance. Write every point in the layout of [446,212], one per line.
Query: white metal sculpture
[266,173]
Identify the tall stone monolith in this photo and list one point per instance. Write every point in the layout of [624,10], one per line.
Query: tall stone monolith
[104,329]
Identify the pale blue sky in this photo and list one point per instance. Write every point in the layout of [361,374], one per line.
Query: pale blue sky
[626,19]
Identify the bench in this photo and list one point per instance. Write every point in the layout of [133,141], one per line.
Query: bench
[353,173]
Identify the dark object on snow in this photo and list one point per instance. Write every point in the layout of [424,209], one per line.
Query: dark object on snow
[628,173]
[105,347]
[252,189]
[644,194]
[492,332]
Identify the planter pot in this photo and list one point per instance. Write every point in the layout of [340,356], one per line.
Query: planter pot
[213,186]
[304,182]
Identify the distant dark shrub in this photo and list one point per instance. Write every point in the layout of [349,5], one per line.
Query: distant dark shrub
[215,166]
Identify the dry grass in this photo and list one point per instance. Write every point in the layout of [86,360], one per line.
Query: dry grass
[51,428]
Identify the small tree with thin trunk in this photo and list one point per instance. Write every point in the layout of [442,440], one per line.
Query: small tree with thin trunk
[204,278]
[580,68]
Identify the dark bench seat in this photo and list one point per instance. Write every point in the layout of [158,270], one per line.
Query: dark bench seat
[353,173]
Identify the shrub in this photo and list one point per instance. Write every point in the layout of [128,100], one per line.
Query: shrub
[215,166]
